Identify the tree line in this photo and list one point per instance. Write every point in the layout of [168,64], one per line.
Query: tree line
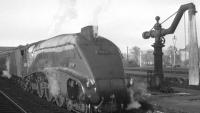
[171,57]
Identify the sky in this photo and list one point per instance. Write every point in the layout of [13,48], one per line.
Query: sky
[121,21]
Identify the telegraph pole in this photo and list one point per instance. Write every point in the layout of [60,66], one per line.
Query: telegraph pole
[185,35]
[140,58]
[127,53]
[174,42]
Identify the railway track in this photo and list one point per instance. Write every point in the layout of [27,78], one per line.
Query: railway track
[13,99]
[168,72]
[8,105]
[165,70]
[177,77]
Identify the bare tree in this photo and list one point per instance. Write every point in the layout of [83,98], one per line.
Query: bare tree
[169,57]
[148,58]
[135,51]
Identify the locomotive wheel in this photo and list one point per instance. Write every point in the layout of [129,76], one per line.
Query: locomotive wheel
[27,86]
[24,84]
[40,90]
[60,100]
[30,88]
[21,83]
[48,95]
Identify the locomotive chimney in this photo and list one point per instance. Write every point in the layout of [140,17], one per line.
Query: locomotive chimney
[90,32]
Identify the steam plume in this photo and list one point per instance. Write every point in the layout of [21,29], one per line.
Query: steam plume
[137,92]
[193,50]
[53,83]
[66,12]
[72,15]
[6,72]
[99,7]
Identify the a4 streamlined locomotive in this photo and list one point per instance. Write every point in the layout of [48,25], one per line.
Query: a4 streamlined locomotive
[81,71]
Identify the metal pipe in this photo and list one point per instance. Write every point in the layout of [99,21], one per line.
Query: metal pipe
[178,17]
[174,24]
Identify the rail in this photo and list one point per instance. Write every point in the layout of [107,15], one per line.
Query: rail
[167,70]
[13,102]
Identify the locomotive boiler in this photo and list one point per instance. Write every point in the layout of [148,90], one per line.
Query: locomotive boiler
[81,71]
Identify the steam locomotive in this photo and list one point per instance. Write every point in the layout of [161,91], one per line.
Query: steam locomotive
[81,71]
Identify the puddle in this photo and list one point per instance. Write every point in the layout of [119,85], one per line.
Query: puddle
[182,94]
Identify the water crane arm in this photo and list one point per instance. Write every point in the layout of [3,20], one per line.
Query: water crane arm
[181,10]
[158,34]
[172,28]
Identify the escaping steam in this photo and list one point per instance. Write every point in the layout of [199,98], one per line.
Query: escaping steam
[65,12]
[98,7]
[72,15]
[53,83]
[6,72]
[138,92]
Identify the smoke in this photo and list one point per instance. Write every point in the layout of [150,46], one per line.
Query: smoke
[98,7]
[6,72]
[138,92]
[53,83]
[72,15]
[89,11]
[66,12]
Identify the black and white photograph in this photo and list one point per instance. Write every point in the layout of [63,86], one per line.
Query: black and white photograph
[99,56]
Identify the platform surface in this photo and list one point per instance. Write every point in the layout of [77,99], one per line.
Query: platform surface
[185,101]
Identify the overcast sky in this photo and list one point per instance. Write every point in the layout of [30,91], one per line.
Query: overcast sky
[121,21]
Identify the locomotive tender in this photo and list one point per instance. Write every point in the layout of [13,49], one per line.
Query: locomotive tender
[82,71]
